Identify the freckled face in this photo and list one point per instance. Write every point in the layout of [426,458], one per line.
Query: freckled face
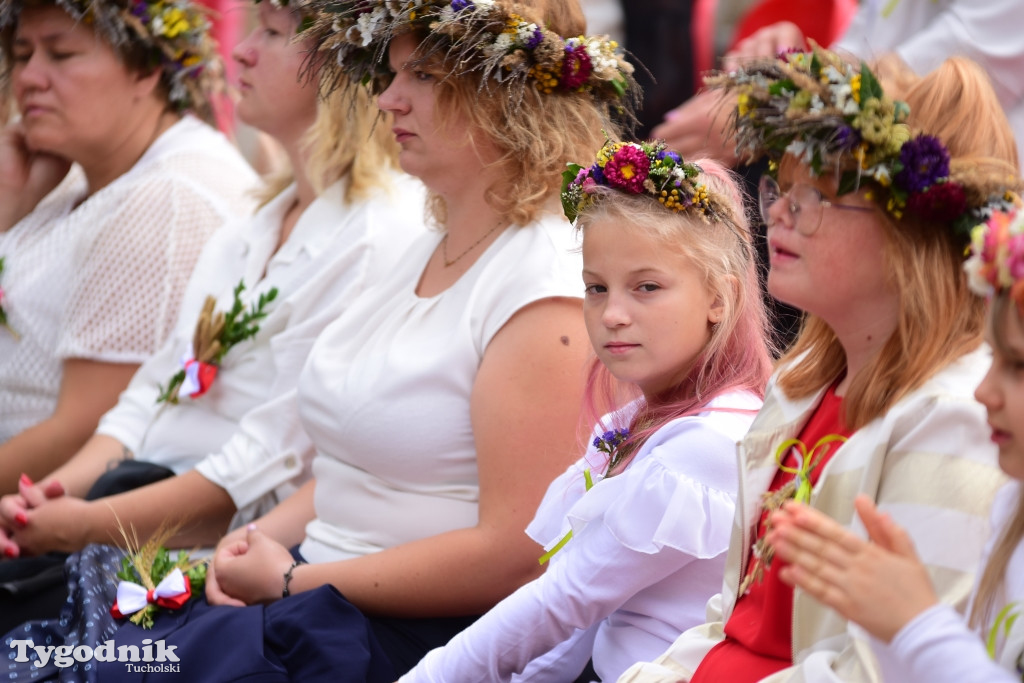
[840,267]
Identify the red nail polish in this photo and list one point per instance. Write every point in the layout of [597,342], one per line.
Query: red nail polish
[9,551]
[25,479]
[20,518]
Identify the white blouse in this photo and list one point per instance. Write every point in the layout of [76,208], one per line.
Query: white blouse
[937,646]
[385,395]
[333,254]
[647,551]
[103,280]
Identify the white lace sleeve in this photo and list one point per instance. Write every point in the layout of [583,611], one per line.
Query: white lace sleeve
[131,275]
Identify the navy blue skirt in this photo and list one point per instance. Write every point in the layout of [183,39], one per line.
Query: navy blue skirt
[312,636]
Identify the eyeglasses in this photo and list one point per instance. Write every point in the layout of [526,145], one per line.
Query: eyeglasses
[804,203]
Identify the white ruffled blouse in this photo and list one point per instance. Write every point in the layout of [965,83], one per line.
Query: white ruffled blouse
[647,551]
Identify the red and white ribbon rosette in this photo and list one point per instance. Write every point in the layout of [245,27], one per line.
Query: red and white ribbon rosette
[199,376]
[172,592]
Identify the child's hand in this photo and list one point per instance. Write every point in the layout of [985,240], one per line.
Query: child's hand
[880,585]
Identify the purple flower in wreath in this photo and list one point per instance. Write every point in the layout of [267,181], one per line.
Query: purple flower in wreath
[925,161]
[459,5]
[674,156]
[847,138]
[139,10]
[628,169]
[536,39]
[940,203]
[597,173]
[576,67]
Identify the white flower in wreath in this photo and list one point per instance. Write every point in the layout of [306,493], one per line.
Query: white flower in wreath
[833,75]
[801,150]
[501,45]
[367,24]
[883,174]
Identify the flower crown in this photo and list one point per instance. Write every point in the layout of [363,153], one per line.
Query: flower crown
[832,115]
[640,168]
[996,261]
[176,33]
[473,36]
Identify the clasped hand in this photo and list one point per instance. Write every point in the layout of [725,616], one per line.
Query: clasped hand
[248,568]
[41,519]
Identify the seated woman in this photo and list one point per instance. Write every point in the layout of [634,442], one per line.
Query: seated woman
[108,191]
[636,531]
[311,250]
[865,234]
[882,585]
[441,403]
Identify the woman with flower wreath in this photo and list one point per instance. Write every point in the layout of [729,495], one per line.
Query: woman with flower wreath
[442,403]
[882,585]
[196,408]
[109,187]
[636,531]
[867,226]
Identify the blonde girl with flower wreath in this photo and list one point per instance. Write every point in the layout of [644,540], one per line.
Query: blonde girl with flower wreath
[110,184]
[881,583]
[635,532]
[867,226]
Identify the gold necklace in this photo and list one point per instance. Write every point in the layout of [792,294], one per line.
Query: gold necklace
[444,245]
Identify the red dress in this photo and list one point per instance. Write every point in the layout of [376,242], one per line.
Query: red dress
[758,639]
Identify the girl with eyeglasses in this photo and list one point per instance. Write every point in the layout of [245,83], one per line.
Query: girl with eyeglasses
[880,582]
[867,228]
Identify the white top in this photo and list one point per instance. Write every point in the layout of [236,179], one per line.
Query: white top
[333,254]
[926,32]
[647,551]
[385,395]
[928,463]
[103,280]
[937,646]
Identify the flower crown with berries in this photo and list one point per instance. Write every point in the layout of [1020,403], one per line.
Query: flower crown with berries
[640,168]
[996,261]
[486,37]
[833,115]
[174,33]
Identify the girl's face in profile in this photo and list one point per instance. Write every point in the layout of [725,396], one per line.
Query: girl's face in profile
[646,307]
[825,258]
[1002,390]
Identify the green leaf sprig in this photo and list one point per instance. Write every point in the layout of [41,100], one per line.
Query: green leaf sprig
[217,332]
